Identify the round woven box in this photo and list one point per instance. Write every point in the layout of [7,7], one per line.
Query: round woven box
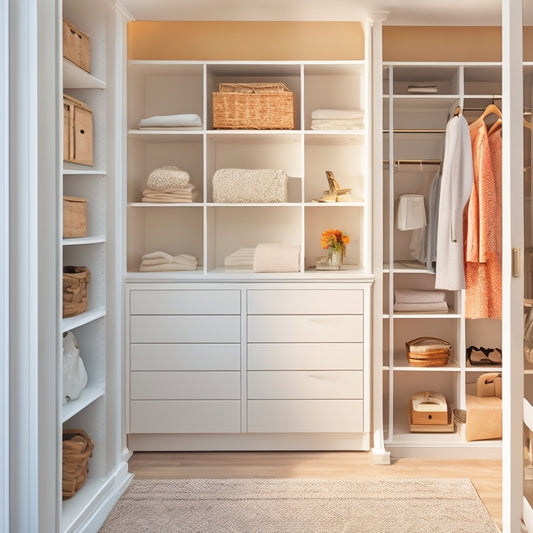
[77,448]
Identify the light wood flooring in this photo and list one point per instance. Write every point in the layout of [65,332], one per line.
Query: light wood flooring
[485,474]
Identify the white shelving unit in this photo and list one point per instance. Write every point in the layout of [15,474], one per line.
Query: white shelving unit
[209,230]
[96,410]
[414,129]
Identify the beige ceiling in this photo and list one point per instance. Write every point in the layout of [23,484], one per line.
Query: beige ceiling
[400,12]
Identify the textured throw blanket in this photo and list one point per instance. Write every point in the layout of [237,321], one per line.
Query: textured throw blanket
[240,185]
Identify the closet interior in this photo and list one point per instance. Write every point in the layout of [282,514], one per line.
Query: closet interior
[418,101]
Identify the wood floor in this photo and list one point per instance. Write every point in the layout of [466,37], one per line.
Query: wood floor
[484,474]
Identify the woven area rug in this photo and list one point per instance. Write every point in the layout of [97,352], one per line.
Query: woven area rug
[300,506]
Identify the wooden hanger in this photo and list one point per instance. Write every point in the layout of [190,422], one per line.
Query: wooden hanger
[489,110]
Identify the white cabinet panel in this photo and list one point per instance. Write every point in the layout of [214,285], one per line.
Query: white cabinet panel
[305,385]
[305,416]
[305,302]
[185,385]
[168,357]
[164,329]
[305,356]
[185,416]
[185,302]
[314,328]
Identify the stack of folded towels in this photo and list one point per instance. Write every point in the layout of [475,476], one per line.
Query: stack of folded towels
[243,258]
[265,257]
[168,184]
[414,300]
[337,119]
[163,262]
[184,121]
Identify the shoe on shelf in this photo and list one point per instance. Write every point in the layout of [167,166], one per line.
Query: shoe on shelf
[484,356]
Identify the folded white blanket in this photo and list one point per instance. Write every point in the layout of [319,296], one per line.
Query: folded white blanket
[417,296]
[273,257]
[171,121]
[336,125]
[337,114]
[161,261]
[157,255]
[241,185]
[435,307]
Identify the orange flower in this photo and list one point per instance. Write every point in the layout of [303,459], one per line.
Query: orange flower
[334,238]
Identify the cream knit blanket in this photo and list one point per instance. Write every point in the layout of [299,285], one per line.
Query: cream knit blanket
[240,185]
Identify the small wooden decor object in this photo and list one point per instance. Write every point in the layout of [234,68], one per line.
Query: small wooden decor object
[76,46]
[77,448]
[77,131]
[261,106]
[75,290]
[74,217]
[427,352]
[429,413]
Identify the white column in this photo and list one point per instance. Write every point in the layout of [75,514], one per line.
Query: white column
[374,51]
[513,285]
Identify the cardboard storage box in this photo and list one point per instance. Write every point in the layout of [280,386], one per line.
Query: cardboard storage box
[74,217]
[77,131]
[76,46]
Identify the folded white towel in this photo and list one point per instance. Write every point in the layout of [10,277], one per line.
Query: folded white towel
[273,257]
[429,307]
[336,125]
[417,296]
[165,268]
[171,121]
[337,113]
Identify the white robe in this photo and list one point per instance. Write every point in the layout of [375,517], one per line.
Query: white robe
[456,186]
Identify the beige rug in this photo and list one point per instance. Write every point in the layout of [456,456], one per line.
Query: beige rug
[300,506]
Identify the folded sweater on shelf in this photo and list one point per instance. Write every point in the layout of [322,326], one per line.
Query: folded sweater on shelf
[427,307]
[183,120]
[417,296]
[274,257]
[167,178]
[180,195]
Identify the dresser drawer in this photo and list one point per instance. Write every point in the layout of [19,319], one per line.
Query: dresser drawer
[185,385]
[305,416]
[316,384]
[305,302]
[185,416]
[185,302]
[305,356]
[311,328]
[196,329]
[185,357]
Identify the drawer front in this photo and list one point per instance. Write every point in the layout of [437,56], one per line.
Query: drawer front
[195,329]
[319,328]
[185,302]
[305,302]
[305,416]
[185,357]
[185,416]
[301,385]
[306,356]
[185,385]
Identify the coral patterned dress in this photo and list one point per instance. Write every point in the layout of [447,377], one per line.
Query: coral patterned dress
[483,224]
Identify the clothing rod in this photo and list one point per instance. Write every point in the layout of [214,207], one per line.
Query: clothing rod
[415,131]
[398,162]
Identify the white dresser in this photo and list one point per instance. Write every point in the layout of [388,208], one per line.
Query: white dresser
[269,365]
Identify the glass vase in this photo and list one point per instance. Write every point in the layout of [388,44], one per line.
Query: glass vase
[335,258]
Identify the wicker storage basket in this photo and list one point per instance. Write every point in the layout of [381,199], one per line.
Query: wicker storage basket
[75,284]
[427,351]
[260,106]
[74,217]
[77,448]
